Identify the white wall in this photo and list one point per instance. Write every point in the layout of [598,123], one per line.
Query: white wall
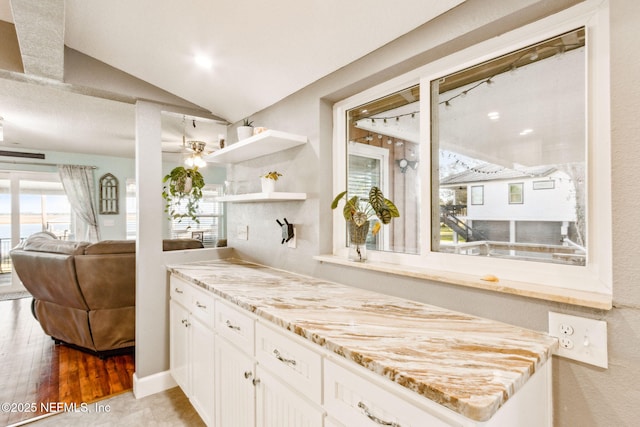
[556,204]
[583,395]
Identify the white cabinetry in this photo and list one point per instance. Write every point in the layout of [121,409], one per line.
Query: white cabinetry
[192,345]
[278,405]
[355,396]
[235,367]
[289,393]
[255,373]
[235,389]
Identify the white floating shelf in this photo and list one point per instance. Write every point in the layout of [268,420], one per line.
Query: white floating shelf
[267,142]
[262,197]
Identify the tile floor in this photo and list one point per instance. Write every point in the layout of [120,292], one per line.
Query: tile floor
[169,408]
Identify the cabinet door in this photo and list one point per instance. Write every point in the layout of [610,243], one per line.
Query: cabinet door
[279,406]
[202,369]
[179,345]
[235,390]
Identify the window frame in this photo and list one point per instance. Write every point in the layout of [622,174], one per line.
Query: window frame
[473,196]
[520,187]
[590,285]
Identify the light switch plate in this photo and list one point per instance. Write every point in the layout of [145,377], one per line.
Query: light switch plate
[242,232]
[580,338]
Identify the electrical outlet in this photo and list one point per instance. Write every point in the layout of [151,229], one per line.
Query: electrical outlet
[580,338]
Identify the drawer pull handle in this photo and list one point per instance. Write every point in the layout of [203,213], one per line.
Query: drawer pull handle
[375,419]
[200,305]
[282,359]
[179,291]
[230,326]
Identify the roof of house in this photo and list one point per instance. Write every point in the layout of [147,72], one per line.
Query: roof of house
[491,172]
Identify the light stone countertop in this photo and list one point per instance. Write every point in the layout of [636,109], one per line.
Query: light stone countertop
[466,363]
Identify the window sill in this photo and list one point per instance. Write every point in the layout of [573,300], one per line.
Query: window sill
[561,295]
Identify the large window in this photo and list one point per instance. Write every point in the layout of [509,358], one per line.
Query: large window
[500,152]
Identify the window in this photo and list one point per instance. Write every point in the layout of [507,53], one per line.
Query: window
[508,114]
[210,215]
[382,151]
[477,194]
[515,193]
[131,209]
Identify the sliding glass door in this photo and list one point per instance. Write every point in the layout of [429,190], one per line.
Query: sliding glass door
[30,202]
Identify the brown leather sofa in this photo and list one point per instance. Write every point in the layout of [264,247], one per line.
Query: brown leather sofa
[84,294]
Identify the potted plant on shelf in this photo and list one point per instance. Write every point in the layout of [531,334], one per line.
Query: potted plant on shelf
[245,130]
[268,181]
[182,189]
[358,213]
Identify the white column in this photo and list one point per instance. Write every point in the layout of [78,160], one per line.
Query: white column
[152,347]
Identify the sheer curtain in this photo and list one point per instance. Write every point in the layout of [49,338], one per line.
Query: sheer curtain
[78,184]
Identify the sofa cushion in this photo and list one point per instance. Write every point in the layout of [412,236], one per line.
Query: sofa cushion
[180,244]
[40,242]
[111,247]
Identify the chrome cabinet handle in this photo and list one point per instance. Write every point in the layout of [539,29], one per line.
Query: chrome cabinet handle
[200,305]
[282,359]
[256,381]
[375,419]
[179,291]
[230,326]
[248,374]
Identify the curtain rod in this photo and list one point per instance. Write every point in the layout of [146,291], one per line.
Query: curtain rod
[13,162]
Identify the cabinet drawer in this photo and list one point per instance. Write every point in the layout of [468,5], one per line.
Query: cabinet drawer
[180,291]
[202,306]
[294,363]
[235,325]
[351,399]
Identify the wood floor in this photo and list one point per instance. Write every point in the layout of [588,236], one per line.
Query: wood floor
[36,374]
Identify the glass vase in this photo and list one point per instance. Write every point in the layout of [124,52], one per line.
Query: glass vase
[358,241]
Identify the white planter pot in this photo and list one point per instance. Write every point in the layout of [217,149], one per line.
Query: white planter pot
[245,132]
[268,185]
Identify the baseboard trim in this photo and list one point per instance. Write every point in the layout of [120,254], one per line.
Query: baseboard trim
[152,384]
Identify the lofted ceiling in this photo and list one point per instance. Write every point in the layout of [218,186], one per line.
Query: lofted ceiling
[260,52]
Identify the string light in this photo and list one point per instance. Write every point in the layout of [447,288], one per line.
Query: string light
[513,67]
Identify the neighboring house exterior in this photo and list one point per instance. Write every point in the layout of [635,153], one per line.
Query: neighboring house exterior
[526,205]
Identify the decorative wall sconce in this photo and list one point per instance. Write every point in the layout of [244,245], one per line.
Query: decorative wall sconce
[404,163]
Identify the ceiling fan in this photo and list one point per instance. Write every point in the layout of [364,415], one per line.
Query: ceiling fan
[192,150]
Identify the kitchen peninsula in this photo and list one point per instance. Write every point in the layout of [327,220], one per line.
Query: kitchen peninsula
[350,353]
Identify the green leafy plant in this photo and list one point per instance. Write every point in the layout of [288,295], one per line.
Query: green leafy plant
[271,175]
[247,122]
[361,210]
[182,187]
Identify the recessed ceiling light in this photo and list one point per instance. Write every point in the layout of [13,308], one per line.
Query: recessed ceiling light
[494,115]
[203,61]
[526,132]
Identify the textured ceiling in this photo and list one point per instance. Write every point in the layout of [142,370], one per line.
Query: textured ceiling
[261,52]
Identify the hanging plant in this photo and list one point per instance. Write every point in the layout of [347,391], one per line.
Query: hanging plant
[182,188]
